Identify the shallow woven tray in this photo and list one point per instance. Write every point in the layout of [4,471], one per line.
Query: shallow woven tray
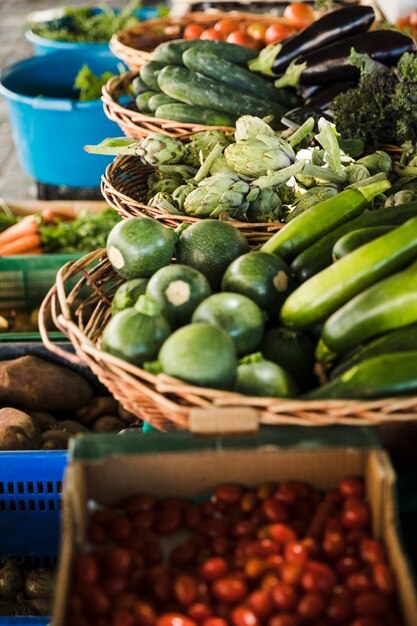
[164,402]
[124,188]
[138,125]
[134,46]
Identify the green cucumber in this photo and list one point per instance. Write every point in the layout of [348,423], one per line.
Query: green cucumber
[179,289]
[159,99]
[239,78]
[357,238]
[259,377]
[389,304]
[318,256]
[322,218]
[149,74]
[139,86]
[195,89]
[327,291]
[170,52]
[389,375]
[142,101]
[400,340]
[194,115]
[262,277]
[292,351]
[239,316]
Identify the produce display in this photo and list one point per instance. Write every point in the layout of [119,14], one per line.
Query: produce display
[89,84]
[282,554]
[25,590]
[44,404]
[87,25]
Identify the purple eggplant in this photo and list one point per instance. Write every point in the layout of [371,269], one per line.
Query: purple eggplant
[322,98]
[334,26]
[329,64]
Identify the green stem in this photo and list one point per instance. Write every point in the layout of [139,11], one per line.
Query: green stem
[114,147]
[374,189]
[324,173]
[405,170]
[205,168]
[292,75]
[265,60]
[280,177]
[323,353]
[148,307]
[302,132]
[367,181]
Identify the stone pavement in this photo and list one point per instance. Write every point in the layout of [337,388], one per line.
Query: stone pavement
[14,183]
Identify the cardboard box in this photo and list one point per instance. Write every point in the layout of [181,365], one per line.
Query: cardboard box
[110,468]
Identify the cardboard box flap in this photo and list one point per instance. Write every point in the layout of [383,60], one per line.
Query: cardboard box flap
[95,447]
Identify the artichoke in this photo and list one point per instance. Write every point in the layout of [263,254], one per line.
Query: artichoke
[220,193]
[165,185]
[356,172]
[257,157]
[221,166]
[266,207]
[378,162]
[310,198]
[181,172]
[164,202]
[158,149]
[201,144]
[401,197]
[249,127]
[180,194]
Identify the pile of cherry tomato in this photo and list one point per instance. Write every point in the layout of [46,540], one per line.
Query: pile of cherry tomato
[258,34]
[278,555]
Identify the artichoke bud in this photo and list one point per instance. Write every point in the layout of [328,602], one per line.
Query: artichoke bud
[310,198]
[249,127]
[181,193]
[305,181]
[254,158]
[166,185]
[401,197]
[221,166]
[158,149]
[201,144]
[356,172]
[222,192]
[378,162]
[164,202]
[266,207]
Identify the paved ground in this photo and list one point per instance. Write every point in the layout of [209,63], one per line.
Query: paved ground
[14,183]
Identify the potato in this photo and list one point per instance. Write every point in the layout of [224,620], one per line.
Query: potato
[96,407]
[11,580]
[41,606]
[51,444]
[58,437]
[18,431]
[127,417]
[71,426]
[39,583]
[108,424]
[44,420]
[32,383]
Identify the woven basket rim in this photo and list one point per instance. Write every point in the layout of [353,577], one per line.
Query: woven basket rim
[177,399]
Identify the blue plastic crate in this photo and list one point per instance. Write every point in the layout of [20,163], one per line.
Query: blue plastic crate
[30,505]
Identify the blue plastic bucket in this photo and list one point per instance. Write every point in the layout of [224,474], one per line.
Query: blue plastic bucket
[50,128]
[42,45]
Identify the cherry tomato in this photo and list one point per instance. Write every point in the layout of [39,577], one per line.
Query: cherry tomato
[274,511]
[291,573]
[213,568]
[334,544]
[86,570]
[359,583]
[229,589]
[212,34]
[266,490]
[284,619]
[114,585]
[199,611]
[215,621]
[98,602]
[125,600]
[282,533]
[153,553]
[97,534]
[185,589]
[145,519]
[241,39]
[312,547]
[257,31]
[168,521]
[355,513]
[221,545]
[244,616]
[207,508]
[339,610]
[255,567]
[285,597]
[289,492]
[122,617]
[193,31]
[183,554]
[102,516]
[318,577]
[261,603]
[192,516]
[333,525]
[138,504]
[244,528]
[348,565]
[226,26]
[248,502]
[299,15]
[365,621]
[120,529]
[174,619]
[269,581]
[277,32]
[274,562]
[383,578]
[295,552]
[161,583]
[351,486]
[216,527]
[228,494]
[117,560]
[372,551]
[311,606]
[371,604]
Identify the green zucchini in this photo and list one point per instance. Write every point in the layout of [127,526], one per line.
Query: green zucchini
[388,304]
[399,340]
[149,74]
[139,86]
[194,115]
[318,256]
[322,218]
[170,52]
[378,377]
[196,89]
[357,238]
[158,100]
[327,291]
[213,66]
[142,101]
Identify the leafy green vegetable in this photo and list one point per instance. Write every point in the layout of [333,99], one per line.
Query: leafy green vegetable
[90,84]
[82,25]
[86,233]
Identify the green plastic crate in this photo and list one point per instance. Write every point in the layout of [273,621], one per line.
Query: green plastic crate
[24,283]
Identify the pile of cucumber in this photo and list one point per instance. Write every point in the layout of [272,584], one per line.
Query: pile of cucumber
[207,82]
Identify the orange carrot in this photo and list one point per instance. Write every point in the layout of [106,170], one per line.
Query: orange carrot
[21,245]
[50,215]
[33,251]
[24,228]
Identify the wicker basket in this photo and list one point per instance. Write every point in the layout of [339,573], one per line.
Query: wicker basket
[124,187]
[138,125]
[134,45]
[165,402]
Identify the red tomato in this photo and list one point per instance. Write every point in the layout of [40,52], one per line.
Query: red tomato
[244,616]
[117,560]
[274,511]
[299,15]
[120,529]
[371,604]
[241,39]
[174,619]
[277,32]
[168,521]
[295,552]
[185,589]
[199,611]
[372,551]
[221,545]
[248,502]
[215,621]
[351,487]
[285,597]
[183,554]
[98,603]
[334,544]
[138,504]
[282,533]
[254,567]
[261,604]
[212,34]
[257,31]
[85,569]
[284,619]
[339,610]
[383,578]
[97,534]
[318,577]
[348,565]
[230,590]
[355,513]
[213,568]
[311,606]
[193,31]
[123,618]
[226,26]
[359,583]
